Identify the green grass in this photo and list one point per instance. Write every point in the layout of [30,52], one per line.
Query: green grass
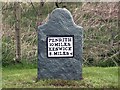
[93,77]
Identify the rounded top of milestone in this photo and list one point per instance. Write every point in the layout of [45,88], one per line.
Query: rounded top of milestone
[61,14]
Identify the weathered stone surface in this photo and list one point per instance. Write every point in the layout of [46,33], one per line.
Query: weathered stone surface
[60,22]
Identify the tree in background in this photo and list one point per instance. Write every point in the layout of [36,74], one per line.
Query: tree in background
[17,12]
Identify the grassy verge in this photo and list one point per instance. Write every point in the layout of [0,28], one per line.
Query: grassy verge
[94,77]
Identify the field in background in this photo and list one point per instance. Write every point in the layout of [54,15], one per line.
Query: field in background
[99,20]
[93,77]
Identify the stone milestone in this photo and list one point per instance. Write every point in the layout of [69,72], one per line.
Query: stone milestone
[60,47]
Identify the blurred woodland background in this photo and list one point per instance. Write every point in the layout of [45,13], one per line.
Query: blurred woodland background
[99,20]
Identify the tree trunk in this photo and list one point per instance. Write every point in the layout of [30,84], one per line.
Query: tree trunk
[17,12]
